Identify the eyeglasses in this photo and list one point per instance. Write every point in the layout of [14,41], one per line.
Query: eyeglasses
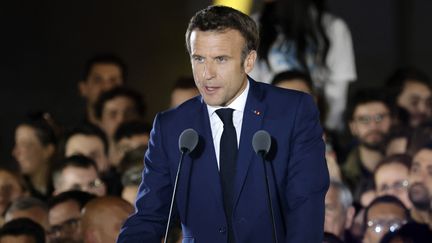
[397,186]
[90,186]
[379,226]
[67,227]
[366,120]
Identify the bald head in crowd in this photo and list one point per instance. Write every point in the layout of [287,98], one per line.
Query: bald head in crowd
[102,219]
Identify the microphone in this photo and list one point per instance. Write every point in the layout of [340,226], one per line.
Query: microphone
[188,141]
[261,143]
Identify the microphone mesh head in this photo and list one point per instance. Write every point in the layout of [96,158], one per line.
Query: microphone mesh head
[188,140]
[261,142]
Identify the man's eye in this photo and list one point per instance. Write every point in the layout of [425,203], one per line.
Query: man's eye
[221,59]
[198,59]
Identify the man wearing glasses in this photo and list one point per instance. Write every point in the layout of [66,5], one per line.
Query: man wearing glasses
[78,173]
[65,216]
[391,177]
[369,121]
[384,214]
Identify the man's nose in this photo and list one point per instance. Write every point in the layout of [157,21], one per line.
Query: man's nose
[209,71]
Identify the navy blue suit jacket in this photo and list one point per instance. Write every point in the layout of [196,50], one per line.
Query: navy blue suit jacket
[297,172]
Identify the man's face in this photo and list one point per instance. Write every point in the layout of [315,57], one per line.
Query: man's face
[371,122]
[416,99]
[90,146]
[115,111]
[335,214]
[83,179]
[217,65]
[392,179]
[127,144]
[178,96]
[381,218]
[64,219]
[102,77]
[420,190]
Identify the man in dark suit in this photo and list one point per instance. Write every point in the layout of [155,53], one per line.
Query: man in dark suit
[221,193]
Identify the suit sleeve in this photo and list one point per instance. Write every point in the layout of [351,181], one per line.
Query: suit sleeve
[308,178]
[148,222]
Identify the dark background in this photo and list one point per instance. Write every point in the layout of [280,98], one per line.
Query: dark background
[44,45]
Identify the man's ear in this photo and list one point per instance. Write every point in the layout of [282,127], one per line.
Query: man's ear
[250,61]
[352,127]
[82,87]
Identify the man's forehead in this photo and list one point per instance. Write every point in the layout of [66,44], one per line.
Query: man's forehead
[423,157]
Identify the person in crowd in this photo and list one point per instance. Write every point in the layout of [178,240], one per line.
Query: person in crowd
[101,73]
[28,207]
[391,177]
[383,214]
[184,89]
[115,107]
[65,216]
[90,141]
[369,121]
[103,217]
[302,35]
[128,136]
[12,187]
[339,211]
[420,185]
[295,80]
[22,230]
[78,172]
[411,89]
[221,195]
[34,150]
[131,168]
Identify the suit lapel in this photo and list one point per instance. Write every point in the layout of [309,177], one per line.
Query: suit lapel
[252,122]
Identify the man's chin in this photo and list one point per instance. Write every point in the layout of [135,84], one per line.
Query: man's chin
[419,196]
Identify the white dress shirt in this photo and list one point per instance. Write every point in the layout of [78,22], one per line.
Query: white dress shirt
[216,123]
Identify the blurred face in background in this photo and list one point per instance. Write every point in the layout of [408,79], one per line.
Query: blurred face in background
[337,218]
[392,179]
[371,122]
[382,218]
[64,219]
[82,179]
[102,77]
[416,98]
[116,111]
[29,151]
[420,179]
[90,146]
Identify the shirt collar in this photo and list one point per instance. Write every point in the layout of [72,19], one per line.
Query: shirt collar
[237,105]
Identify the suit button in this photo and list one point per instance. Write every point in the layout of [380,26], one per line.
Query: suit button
[222,229]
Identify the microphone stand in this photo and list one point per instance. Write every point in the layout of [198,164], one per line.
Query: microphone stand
[174,194]
[269,200]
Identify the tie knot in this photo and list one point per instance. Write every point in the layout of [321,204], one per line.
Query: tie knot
[226,115]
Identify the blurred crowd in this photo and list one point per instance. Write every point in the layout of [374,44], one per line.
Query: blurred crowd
[79,184]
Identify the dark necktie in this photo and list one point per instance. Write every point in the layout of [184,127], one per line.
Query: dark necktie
[227,164]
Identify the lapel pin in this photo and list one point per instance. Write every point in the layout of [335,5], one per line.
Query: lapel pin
[257,112]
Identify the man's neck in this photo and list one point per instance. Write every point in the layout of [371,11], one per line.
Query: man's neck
[369,157]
